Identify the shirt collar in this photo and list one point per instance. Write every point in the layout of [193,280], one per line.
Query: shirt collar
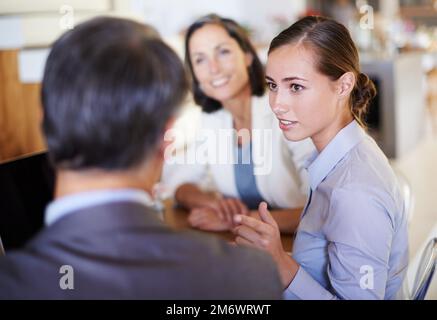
[319,165]
[72,203]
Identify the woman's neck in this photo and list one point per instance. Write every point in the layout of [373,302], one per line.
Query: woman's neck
[325,136]
[240,109]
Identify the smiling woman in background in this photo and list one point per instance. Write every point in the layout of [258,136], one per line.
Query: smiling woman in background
[352,238]
[229,85]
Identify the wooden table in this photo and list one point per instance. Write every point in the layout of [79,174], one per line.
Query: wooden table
[178,219]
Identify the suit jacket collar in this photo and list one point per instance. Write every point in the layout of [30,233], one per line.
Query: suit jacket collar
[105,218]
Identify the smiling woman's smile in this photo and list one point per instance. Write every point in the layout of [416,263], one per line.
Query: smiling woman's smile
[220,82]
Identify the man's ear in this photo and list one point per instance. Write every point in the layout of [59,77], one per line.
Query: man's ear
[345,84]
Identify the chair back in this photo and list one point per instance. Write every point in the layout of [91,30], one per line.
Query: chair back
[407,193]
[425,270]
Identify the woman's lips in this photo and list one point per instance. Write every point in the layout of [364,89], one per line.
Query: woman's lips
[287,124]
[220,82]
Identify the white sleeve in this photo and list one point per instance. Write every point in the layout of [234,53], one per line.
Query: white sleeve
[181,164]
[178,171]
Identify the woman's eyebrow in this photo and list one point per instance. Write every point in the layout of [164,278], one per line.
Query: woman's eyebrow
[287,79]
[215,48]
[221,44]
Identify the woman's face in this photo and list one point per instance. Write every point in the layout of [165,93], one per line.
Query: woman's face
[219,64]
[306,102]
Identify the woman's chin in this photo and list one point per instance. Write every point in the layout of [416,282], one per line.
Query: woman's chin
[294,136]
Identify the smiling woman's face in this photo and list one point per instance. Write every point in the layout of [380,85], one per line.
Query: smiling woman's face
[219,64]
[306,102]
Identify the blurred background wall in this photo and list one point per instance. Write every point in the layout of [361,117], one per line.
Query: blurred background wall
[397,41]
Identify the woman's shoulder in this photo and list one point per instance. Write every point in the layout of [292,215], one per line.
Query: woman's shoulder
[369,159]
[367,171]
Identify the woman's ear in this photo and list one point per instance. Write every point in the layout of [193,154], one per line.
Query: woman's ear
[346,84]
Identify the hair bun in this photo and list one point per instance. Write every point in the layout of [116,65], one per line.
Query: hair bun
[363,93]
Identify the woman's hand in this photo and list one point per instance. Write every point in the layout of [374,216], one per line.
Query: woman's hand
[207,219]
[265,235]
[217,215]
[227,208]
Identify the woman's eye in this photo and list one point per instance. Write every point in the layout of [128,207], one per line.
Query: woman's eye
[272,86]
[198,60]
[224,51]
[296,87]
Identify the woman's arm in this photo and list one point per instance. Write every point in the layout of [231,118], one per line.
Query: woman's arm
[263,233]
[360,235]
[191,196]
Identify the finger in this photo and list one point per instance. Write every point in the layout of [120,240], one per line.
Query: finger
[193,215]
[243,208]
[213,225]
[217,213]
[236,209]
[245,242]
[265,214]
[239,208]
[253,223]
[249,234]
[233,204]
[224,209]
[204,223]
[228,211]
[195,221]
[217,208]
[196,216]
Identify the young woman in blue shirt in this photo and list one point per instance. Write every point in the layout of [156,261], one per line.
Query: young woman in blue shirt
[351,242]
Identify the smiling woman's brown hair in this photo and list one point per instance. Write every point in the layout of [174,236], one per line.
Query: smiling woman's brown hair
[335,54]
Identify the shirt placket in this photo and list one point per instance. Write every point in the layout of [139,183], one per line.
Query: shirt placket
[304,211]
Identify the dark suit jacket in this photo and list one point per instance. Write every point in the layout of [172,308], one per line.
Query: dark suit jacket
[123,251]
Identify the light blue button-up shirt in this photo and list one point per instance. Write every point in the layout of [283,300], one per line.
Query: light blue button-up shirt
[69,204]
[351,242]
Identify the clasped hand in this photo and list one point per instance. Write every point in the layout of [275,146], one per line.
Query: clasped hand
[217,215]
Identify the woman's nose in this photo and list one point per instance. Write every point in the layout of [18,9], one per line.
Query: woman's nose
[279,110]
[279,107]
[214,66]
